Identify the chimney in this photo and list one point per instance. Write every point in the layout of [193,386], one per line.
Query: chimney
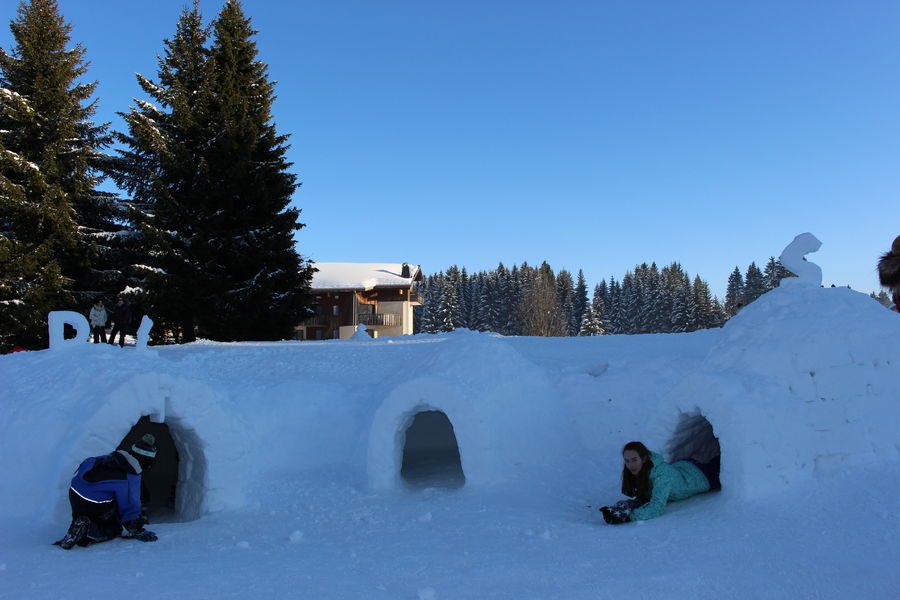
[404,272]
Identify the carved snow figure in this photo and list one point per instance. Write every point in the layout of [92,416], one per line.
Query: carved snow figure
[793,259]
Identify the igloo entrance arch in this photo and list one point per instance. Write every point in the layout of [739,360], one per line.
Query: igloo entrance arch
[693,439]
[172,489]
[431,452]
[395,415]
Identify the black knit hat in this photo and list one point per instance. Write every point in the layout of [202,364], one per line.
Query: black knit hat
[145,447]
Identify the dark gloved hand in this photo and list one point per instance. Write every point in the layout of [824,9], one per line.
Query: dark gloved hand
[607,513]
[135,529]
[617,517]
[145,536]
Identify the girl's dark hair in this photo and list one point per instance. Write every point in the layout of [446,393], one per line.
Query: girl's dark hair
[638,486]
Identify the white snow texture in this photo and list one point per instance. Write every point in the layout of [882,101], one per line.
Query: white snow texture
[799,386]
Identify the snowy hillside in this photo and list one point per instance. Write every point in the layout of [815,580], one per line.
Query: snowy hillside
[470,465]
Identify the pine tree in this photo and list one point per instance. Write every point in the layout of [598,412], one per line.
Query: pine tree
[703,304]
[774,272]
[448,306]
[754,286]
[580,301]
[590,325]
[46,129]
[539,305]
[565,297]
[255,285]
[163,167]
[431,293]
[35,228]
[615,319]
[598,304]
[734,293]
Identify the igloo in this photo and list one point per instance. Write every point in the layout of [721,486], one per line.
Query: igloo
[782,399]
[191,415]
[503,412]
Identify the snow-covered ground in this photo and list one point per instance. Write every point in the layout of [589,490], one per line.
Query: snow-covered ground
[291,478]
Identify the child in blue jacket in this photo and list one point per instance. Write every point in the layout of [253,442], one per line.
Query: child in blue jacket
[105,496]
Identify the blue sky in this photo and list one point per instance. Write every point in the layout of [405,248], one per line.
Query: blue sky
[591,134]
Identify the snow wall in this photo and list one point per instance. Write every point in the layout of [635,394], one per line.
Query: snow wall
[802,382]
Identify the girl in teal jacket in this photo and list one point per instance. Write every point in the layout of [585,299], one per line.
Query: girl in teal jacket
[653,483]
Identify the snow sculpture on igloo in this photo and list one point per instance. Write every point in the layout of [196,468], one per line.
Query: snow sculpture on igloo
[793,257]
[803,381]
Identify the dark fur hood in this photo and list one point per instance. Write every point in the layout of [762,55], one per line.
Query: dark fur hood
[889,271]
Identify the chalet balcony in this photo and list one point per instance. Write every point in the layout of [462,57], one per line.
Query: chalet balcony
[380,320]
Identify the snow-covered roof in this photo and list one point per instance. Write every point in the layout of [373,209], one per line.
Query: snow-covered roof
[362,276]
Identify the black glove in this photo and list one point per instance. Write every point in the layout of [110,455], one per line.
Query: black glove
[607,513]
[135,530]
[617,518]
[146,536]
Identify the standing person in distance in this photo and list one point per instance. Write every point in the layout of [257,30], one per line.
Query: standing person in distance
[121,322]
[98,318]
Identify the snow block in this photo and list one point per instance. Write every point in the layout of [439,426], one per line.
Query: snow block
[57,321]
[143,333]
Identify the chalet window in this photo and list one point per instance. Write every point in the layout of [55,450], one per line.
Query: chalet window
[335,310]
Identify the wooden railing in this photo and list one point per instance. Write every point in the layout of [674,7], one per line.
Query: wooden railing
[380,320]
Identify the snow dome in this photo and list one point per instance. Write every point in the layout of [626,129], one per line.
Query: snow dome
[803,380]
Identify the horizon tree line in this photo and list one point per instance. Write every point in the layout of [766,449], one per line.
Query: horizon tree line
[526,300]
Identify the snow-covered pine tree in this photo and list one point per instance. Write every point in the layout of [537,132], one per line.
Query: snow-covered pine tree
[162,165]
[703,304]
[630,304]
[58,137]
[680,317]
[598,304]
[35,228]
[774,272]
[614,310]
[718,313]
[754,286]
[734,293]
[476,289]
[590,325]
[431,292]
[512,295]
[580,300]
[565,297]
[255,284]
[448,306]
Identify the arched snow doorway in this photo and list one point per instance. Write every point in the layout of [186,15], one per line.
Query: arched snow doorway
[172,489]
[694,439]
[431,453]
